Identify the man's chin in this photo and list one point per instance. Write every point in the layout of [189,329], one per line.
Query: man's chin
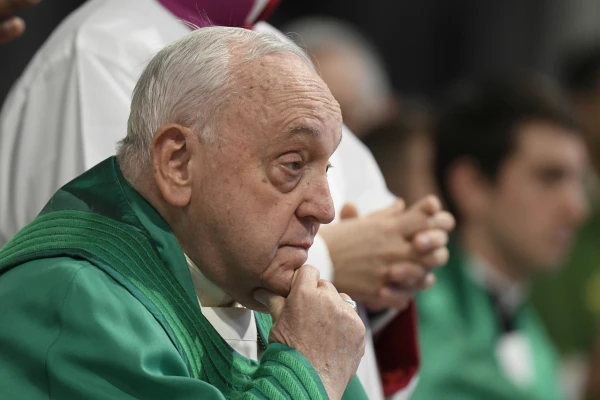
[294,257]
[550,266]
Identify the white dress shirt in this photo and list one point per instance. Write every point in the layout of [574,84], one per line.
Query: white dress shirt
[234,323]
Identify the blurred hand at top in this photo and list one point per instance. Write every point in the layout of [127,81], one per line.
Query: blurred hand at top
[11,26]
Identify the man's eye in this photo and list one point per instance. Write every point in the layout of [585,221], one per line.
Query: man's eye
[551,176]
[293,166]
[329,166]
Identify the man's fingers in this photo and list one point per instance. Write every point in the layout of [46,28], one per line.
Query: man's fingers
[398,208]
[419,217]
[9,7]
[412,222]
[11,29]
[400,296]
[350,304]
[327,285]
[405,275]
[427,241]
[348,211]
[345,296]
[428,205]
[442,220]
[395,210]
[434,259]
[273,302]
[305,275]
[415,221]
[395,297]
[429,280]
[399,205]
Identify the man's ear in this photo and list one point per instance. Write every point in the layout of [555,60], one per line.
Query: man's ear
[468,188]
[171,155]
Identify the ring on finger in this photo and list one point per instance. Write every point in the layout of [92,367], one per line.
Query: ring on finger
[351,302]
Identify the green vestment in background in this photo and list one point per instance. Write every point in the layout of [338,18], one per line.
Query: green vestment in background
[459,331]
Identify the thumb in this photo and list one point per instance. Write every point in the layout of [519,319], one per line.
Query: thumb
[429,205]
[273,302]
[349,210]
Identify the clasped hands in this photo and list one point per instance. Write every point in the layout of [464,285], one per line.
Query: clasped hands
[381,259]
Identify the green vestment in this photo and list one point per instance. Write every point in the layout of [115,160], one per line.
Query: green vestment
[97,302]
[569,300]
[459,331]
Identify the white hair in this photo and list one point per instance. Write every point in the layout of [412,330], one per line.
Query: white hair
[186,83]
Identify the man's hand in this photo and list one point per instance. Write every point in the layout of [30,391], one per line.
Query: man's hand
[315,321]
[12,27]
[381,259]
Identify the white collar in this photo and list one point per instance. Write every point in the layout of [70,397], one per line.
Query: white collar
[509,293]
[209,294]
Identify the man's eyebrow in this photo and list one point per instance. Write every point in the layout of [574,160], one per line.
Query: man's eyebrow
[299,129]
[303,129]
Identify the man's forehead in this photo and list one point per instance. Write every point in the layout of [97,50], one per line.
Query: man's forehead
[280,93]
[555,149]
[280,81]
[275,69]
[537,136]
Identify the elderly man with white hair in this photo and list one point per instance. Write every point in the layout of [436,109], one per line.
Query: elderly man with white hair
[138,279]
[70,107]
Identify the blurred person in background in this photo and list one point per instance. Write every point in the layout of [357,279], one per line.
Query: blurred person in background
[509,162]
[11,27]
[352,69]
[569,301]
[70,107]
[403,150]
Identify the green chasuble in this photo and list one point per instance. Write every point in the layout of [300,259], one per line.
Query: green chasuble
[459,331]
[571,297]
[97,302]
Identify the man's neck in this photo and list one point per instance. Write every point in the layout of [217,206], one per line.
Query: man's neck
[476,242]
[191,242]
[501,277]
[208,293]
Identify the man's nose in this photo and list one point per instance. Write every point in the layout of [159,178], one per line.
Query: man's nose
[318,203]
[576,204]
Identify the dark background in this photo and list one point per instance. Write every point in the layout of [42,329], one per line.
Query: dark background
[426,44]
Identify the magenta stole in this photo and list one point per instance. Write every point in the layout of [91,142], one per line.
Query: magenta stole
[236,13]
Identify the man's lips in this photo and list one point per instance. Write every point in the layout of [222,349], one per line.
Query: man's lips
[304,245]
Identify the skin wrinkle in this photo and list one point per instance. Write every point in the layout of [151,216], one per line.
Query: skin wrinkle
[246,206]
[299,97]
[304,96]
[264,123]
